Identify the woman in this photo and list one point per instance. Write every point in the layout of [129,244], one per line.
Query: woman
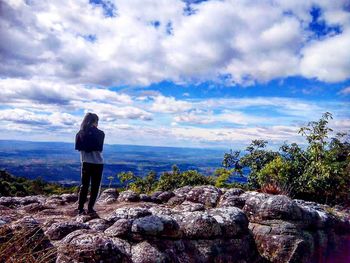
[89,141]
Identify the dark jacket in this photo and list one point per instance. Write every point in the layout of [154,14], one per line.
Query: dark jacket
[91,140]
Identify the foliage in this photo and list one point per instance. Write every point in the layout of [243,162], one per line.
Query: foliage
[19,186]
[166,182]
[256,158]
[319,172]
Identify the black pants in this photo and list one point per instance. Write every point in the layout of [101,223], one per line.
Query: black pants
[93,172]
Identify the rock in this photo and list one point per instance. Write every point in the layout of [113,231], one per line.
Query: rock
[232,192]
[162,197]
[98,224]
[13,202]
[171,227]
[89,246]
[176,200]
[183,191]
[108,196]
[145,198]
[232,220]
[124,246]
[224,250]
[282,242]
[121,228]
[145,252]
[189,206]
[197,225]
[148,226]
[128,196]
[69,198]
[8,201]
[236,201]
[35,207]
[128,213]
[232,197]
[54,200]
[86,218]
[59,230]
[207,195]
[161,210]
[260,207]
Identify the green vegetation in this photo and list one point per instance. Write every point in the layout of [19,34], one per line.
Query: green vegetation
[166,182]
[18,186]
[320,172]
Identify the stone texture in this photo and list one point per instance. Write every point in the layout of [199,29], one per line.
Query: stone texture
[128,213]
[89,246]
[108,196]
[121,228]
[128,196]
[59,230]
[197,224]
[206,195]
[232,220]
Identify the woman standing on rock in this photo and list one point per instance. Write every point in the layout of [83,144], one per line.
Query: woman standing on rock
[89,141]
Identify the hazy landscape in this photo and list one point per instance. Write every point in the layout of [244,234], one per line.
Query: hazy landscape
[59,162]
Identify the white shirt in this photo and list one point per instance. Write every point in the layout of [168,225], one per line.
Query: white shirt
[91,157]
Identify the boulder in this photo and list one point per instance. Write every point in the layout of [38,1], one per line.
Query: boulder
[98,224]
[128,196]
[89,246]
[232,197]
[145,198]
[108,196]
[232,220]
[259,207]
[148,226]
[145,252]
[35,207]
[128,213]
[282,242]
[207,195]
[59,230]
[197,225]
[176,200]
[69,198]
[121,228]
[162,197]
[188,206]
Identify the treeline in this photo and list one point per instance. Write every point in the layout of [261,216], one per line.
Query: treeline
[18,186]
[320,171]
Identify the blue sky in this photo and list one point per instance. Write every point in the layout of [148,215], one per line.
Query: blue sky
[173,73]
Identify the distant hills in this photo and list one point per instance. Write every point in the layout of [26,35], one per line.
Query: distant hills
[59,162]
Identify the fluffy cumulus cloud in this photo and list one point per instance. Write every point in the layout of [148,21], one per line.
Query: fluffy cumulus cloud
[60,59]
[117,42]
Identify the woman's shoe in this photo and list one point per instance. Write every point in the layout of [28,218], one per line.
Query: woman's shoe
[91,212]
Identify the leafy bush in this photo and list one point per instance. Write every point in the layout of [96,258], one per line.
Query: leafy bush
[18,186]
[319,172]
[166,182]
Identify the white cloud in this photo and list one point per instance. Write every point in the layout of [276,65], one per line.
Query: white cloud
[249,40]
[345,91]
[327,60]
[164,104]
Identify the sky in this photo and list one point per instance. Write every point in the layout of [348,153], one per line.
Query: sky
[172,72]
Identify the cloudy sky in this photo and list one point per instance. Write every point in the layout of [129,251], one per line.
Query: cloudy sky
[171,72]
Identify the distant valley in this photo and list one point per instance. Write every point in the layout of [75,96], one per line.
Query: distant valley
[59,162]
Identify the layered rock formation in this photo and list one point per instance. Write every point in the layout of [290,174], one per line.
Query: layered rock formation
[191,224]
